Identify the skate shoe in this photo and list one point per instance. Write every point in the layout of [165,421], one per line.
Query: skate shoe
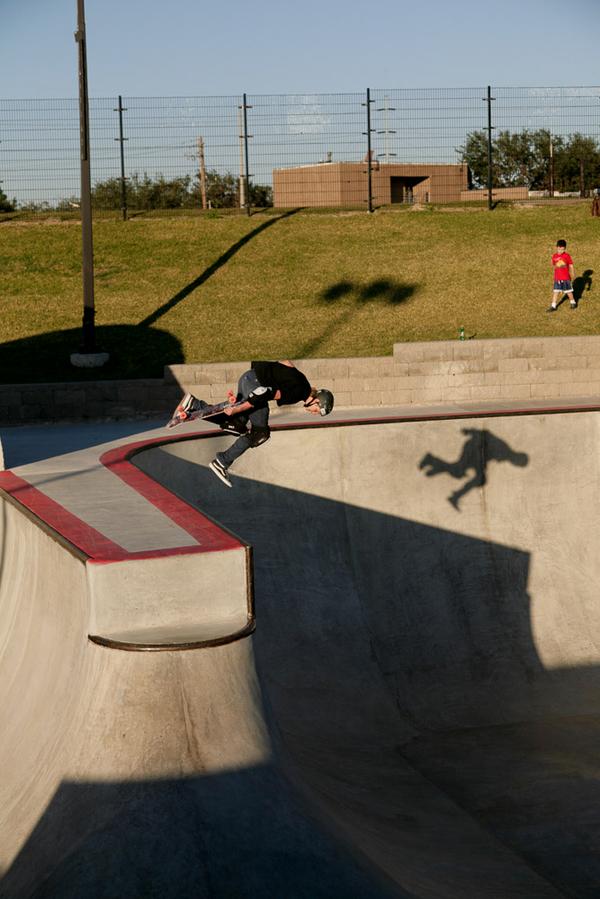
[221,472]
[183,411]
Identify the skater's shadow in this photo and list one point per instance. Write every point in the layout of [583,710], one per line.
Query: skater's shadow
[582,283]
[480,448]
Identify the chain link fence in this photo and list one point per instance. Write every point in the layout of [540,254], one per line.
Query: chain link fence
[362,150]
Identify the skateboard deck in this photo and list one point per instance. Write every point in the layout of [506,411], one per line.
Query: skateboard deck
[207,412]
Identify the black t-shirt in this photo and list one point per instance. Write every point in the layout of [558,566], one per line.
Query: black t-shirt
[292,383]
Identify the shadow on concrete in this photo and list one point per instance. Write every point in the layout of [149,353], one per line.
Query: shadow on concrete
[22,444]
[374,632]
[214,267]
[480,448]
[243,835]
[380,290]
[446,620]
[134,352]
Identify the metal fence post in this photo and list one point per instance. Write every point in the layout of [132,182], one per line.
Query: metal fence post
[369,153]
[245,109]
[121,109]
[490,177]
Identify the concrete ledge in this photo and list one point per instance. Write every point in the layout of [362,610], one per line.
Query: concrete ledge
[158,576]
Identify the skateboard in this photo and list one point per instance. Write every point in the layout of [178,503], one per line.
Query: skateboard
[214,412]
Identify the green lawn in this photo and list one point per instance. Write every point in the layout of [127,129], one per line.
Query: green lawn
[273,285]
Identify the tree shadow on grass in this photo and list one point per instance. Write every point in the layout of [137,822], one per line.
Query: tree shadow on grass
[210,271]
[134,353]
[381,290]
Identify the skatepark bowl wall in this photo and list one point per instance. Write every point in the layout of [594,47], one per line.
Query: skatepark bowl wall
[417,714]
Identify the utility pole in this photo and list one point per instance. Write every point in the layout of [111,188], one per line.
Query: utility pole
[88,357]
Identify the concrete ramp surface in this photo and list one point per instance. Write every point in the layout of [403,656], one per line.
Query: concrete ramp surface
[417,714]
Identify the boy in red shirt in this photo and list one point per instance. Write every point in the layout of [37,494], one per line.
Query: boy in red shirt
[564,273]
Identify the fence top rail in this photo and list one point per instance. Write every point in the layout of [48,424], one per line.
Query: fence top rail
[536,90]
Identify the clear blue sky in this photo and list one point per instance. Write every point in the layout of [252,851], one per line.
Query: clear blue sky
[190,48]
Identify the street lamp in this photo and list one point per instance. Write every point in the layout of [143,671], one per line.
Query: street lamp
[88,356]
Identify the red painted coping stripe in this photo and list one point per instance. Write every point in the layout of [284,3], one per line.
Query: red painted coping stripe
[73,529]
[96,546]
[209,535]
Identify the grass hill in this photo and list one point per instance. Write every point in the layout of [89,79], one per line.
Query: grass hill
[285,284]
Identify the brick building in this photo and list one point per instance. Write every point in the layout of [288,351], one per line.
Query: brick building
[346,184]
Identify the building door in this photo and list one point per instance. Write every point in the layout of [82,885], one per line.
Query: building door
[397,189]
[401,189]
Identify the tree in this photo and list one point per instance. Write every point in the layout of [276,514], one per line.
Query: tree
[221,190]
[261,195]
[107,194]
[5,203]
[526,157]
[547,147]
[577,165]
[474,152]
[143,192]
[163,193]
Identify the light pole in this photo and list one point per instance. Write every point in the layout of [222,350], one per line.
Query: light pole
[88,356]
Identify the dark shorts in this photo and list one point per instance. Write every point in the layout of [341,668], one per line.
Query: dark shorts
[564,286]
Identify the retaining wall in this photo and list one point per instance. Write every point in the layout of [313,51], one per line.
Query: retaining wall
[419,373]
[439,371]
[92,400]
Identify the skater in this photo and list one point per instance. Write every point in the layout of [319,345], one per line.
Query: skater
[564,273]
[248,412]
